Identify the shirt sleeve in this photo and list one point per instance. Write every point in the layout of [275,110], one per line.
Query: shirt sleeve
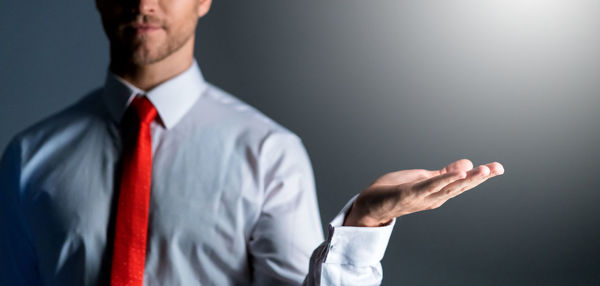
[289,225]
[289,228]
[18,264]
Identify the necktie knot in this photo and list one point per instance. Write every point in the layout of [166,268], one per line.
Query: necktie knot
[145,111]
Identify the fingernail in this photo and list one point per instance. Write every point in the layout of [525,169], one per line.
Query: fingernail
[500,170]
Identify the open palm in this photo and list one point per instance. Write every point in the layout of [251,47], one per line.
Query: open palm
[402,192]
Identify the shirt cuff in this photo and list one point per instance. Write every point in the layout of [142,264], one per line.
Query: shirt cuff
[360,246]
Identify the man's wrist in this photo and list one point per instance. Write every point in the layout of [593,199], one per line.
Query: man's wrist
[357,216]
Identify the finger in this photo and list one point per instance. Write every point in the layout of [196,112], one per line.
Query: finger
[495,168]
[474,177]
[459,165]
[434,184]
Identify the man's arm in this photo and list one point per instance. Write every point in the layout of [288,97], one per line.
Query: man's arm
[17,256]
[289,226]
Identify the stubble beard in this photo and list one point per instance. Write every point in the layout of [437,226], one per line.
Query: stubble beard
[139,53]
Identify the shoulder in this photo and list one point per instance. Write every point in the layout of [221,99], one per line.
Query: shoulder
[68,123]
[220,109]
[240,111]
[221,118]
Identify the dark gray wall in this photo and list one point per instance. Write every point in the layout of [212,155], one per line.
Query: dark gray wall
[376,86]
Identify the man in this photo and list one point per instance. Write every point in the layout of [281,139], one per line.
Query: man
[160,178]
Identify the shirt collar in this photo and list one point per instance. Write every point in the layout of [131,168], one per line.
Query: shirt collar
[172,98]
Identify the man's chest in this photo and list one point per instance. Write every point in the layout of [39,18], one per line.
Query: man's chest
[204,197]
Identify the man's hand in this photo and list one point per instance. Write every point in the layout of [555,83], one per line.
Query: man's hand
[404,192]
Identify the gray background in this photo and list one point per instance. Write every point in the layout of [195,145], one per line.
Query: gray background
[377,86]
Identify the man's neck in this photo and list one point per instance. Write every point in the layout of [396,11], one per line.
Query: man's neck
[146,77]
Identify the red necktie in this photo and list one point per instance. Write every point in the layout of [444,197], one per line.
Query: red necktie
[131,228]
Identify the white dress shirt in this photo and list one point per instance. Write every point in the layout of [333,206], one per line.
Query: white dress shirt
[232,202]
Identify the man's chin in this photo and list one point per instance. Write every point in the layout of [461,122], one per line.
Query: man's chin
[137,53]
[143,60]
[140,57]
